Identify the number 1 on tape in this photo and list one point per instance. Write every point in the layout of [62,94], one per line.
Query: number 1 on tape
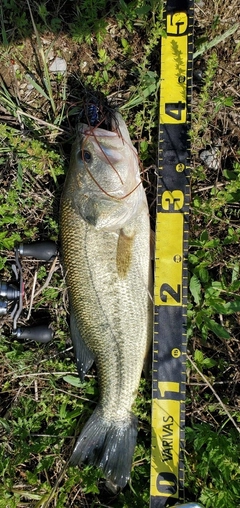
[170,287]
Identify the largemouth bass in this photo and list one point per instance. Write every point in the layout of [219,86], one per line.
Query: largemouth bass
[105,237]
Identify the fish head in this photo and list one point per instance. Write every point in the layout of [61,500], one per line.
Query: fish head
[104,170]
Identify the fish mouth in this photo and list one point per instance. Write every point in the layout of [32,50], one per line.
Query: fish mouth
[114,148]
[96,132]
[107,144]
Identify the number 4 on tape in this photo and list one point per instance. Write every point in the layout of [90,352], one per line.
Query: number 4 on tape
[170,287]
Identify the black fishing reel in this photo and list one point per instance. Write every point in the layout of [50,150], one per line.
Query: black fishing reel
[11,295]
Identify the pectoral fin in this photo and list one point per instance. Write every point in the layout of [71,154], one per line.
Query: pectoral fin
[84,357]
[124,252]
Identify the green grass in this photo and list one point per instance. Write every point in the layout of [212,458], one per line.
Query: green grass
[213,466]
[43,402]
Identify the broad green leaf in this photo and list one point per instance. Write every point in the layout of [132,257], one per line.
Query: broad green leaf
[193,259]
[209,362]
[235,286]
[218,285]
[105,75]
[198,357]
[218,329]
[204,236]
[73,380]
[5,424]
[143,10]
[203,274]
[232,307]
[230,175]
[2,262]
[195,288]
[219,307]
[62,411]
[235,272]
[201,253]
[74,414]
[125,43]
[212,243]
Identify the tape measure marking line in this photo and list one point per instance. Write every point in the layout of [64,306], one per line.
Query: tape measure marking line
[172,201]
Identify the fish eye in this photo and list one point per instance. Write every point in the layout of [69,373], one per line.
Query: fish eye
[85,156]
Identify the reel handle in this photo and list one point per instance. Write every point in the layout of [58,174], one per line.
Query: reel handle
[8,291]
[38,250]
[3,307]
[41,333]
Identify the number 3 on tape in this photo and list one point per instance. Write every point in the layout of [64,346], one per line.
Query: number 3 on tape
[170,286]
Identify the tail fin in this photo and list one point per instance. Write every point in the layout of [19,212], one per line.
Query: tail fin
[107,445]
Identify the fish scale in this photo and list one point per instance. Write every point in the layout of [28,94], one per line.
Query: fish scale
[106,256]
[91,311]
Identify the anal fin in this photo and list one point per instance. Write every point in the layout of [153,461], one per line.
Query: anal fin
[84,357]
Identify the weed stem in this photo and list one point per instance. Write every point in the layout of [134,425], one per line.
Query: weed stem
[213,391]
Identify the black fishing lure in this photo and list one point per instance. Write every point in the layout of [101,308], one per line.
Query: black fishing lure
[96,111]
[93,114]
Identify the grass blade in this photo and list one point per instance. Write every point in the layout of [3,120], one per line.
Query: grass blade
[219,38]
[45,67]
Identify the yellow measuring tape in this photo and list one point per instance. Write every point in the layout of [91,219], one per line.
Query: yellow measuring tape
[170,288]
